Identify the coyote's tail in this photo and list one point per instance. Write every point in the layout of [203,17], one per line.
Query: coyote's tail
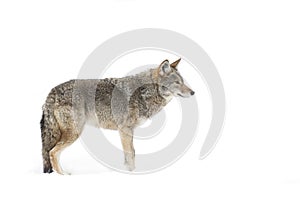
[50,130]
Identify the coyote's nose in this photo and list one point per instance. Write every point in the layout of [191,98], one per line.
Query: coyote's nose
[192,92]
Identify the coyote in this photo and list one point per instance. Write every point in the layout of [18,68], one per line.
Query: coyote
[113,103]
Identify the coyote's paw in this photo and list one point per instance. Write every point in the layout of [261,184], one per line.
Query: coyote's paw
[129,167]
[61,172]
[129,161]
[66,173]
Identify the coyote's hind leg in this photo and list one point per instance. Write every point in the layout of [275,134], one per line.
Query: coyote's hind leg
[70,131]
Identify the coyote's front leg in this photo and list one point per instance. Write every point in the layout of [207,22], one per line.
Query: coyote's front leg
[126,135]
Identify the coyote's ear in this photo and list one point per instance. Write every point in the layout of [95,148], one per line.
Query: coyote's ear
[164,67]
[174,64]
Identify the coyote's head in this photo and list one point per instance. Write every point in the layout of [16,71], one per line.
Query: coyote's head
[171,82]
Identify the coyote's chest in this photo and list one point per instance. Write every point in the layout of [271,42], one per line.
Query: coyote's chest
[146,101]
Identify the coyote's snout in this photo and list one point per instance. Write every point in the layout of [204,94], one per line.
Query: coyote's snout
[115,103]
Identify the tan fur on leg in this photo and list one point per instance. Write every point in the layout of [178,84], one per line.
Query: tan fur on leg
[54,157]
[127,143]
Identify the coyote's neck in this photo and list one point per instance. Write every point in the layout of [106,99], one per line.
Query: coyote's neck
[154,78]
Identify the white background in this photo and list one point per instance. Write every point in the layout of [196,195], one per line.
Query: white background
[255,46]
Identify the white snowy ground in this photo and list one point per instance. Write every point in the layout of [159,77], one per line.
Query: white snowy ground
[231,171]
[255,46]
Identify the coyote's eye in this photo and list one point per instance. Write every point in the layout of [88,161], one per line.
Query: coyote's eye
[177,82]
